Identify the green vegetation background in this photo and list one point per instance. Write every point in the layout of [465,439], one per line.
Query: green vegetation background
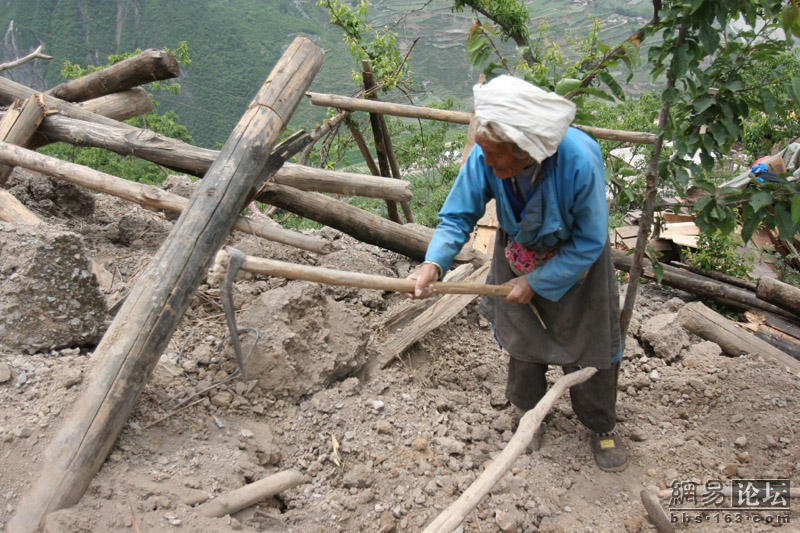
[234,44]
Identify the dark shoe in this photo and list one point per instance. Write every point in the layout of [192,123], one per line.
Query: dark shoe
[609,452]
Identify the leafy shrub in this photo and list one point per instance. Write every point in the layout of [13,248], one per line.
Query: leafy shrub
[716,251]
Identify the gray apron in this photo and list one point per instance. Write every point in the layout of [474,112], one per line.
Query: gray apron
[582,327]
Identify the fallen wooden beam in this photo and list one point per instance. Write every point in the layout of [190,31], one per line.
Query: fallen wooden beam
[12,210]
[435,316]
[185,157]
[18,125]
[700,285]
[121,105]
[449,519]
[252,493]
[779,293]
[458,117]
[148,196]
[733,339]
[363,225]
[141,330]
[719,276]
[146,66]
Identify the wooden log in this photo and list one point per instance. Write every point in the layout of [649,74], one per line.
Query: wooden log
[361,224]
[195,160]
[19,127]
[12,210]
[779,340]
[458,117]
[283,269]
[377,134]
[719,276]
[147,196]
[779,293]
[450,518]
[700,285]
[121,105]
[146,66]
[252,493]
[435,316]
[394,167]
[733,339]
[141,330]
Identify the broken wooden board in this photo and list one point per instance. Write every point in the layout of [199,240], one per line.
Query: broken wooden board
[433,317]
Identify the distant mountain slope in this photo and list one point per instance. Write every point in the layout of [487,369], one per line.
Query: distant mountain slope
[235,43]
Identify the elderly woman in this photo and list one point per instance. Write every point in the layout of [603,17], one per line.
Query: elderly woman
[552,248]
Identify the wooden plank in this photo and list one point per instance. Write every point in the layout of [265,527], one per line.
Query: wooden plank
[435,316]
[12,210]
[733,339]
[21,130]
[141,330]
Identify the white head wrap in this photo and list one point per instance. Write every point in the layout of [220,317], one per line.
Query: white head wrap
[533,119]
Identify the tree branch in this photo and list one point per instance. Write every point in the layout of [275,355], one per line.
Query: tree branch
[36,54]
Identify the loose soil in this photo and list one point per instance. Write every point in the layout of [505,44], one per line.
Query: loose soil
[383,450]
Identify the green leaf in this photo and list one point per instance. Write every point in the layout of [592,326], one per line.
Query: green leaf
[796,209]
[701,204]
[567,85]
[795,86]
[783,219]
[680,61]
[760,200]
[598,93]
[709,38]
[769,101]
[751,224]
[719,133]
[612,84]
[702,103]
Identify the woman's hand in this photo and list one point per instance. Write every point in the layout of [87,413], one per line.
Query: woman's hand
[521,291]
[424,276]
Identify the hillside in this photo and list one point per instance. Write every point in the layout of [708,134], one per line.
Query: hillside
[234,43]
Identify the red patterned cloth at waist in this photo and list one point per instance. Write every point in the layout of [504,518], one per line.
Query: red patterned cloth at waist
[523,260]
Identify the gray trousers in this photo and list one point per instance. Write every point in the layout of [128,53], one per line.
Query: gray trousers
[594,401]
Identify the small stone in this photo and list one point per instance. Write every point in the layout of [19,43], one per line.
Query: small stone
[387,523]
[740,442]
[770,441]
[220,423]
[419,444]
[5,372]
[507,521]
[247,434]
[450,445]
[743,457]
[383,427]
[637,436]
[654,375]
[376,404]
[23,432]
[222,399]
[731,469]
[633,524]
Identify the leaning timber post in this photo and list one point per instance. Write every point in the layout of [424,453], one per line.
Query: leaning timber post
[141,330]
[19,128]
[377,133]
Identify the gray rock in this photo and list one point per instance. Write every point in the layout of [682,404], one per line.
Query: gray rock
[359,477]
[665,335]
[508,520]
[450,445]
[49,299]
[5,372]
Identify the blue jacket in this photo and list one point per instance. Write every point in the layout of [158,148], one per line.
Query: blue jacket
[575,213]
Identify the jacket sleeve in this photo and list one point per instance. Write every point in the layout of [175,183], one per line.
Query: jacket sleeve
[589,232]
[463,207]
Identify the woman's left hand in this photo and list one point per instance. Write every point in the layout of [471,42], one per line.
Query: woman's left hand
[521,291]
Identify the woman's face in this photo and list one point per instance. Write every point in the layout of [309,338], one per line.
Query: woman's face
[500,156]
